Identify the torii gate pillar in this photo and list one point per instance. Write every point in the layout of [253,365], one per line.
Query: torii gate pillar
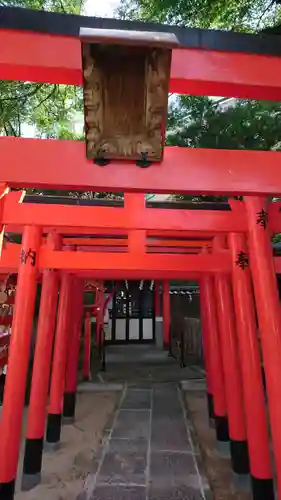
[69,401]
[268,311]
[215,364]
[231,368]
[255,413]
[206,334]
[59,365]
[14,395]
[37,410]
[86,369]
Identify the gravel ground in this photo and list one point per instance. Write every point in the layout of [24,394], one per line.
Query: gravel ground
[218,470]
[65,470]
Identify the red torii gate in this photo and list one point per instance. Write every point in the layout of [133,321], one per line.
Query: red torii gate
[192,266]
[56,59]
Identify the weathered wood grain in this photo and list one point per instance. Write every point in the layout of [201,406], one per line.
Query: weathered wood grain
[125,101]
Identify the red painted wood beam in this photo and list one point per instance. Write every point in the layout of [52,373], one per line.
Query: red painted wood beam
[57,59]
[9,264]
[119,218]
[274,214]
[124,262]
[214,73]
[118,274]
[76,230]
[147,262]
[63,165]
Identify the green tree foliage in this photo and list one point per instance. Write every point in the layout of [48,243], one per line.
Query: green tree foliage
[66,6]
[201,122]
[238,15]
[49,109]
[43,110]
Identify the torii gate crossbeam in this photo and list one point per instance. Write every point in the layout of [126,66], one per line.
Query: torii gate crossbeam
[63,165]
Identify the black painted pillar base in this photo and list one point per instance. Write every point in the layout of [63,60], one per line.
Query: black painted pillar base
[210,401]
[69,403]
[86,379]
[53,431]
[222,433]
[262,489]
[222,429]
[239,457]
[2,387]
[32,463]
[7,490]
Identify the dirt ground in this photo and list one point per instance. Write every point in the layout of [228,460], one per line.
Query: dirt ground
[65,470]
[218,470]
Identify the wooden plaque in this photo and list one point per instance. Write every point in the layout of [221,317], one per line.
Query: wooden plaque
[125,100]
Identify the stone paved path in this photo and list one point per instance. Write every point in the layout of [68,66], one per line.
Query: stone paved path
[149,454]
[150,365]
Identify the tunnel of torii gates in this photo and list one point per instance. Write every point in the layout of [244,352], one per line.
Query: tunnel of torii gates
[234,265]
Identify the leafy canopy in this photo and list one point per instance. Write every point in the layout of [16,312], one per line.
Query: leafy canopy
[237,15]
[201,122]
[66,6]
[49,109]
[196,121]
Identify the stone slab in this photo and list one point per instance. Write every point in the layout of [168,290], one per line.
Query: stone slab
[99,387]
[166,436]
[125,462]
[150,455]
[193,385]
[175,493]
[119,493]
[132,424]
[173,469]
[137,400]
[169,409]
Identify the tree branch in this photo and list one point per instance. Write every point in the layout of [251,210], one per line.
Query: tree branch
[62,7]
[48,96]
[19,121]
[268,7]
[6,130]
[12,129]
[24,96]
